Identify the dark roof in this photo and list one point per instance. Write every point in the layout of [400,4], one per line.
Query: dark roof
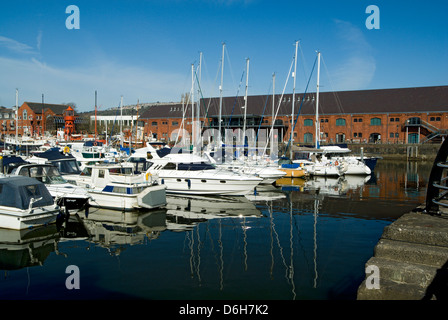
[419,99]
[38,106]
[169,111]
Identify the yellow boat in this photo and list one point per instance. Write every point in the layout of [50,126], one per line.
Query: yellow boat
[294,172]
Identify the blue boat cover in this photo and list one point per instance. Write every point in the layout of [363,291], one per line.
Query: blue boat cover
[17,191]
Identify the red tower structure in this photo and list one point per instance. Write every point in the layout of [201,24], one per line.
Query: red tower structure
[69,118]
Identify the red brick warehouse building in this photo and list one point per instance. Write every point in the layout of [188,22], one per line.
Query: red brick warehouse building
[34,118]
[404,115]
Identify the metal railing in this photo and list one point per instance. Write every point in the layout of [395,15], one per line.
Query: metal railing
[437,192]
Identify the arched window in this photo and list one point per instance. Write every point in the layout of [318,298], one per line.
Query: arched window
[375,122]
[308,137]
[340,122]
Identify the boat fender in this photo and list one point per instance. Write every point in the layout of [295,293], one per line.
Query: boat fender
[336,163]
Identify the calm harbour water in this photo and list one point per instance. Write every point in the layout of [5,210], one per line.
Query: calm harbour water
[304,241]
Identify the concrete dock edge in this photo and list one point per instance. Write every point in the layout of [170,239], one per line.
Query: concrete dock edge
[410,261]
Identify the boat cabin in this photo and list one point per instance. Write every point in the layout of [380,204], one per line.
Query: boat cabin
[102,175]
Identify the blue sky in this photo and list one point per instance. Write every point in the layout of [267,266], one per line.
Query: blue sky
[143,50]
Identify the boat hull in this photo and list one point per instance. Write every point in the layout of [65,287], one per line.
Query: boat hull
[293,173]
[24,219]
[72,203]
[153,197]
[208,186]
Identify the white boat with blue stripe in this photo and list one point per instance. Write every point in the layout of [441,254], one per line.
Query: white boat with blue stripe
[119,187]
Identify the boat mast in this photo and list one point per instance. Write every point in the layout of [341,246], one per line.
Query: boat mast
[317,102]
[193,133]
[136,123]
[273,116]
[293,100]
[17,113]
[95,117]
[245,104]
[198,110]
[121,117]
[220,94]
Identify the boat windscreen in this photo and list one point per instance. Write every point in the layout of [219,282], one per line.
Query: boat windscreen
[67,166]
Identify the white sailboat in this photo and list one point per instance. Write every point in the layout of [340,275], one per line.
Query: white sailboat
[322,163]
[258,168]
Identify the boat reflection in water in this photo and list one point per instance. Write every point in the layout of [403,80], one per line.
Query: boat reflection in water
[27,248]
[184,212]
[331,186]
[114,230]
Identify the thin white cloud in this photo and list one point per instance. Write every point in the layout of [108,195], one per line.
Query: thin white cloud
[111,80]
[15,45]
[39,40]
[357,65]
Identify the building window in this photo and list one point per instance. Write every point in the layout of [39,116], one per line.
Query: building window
[174,123]
[375,122]
[391,135]
[24,114]
[340,122]
[154,123]
[308,122]
[308,137]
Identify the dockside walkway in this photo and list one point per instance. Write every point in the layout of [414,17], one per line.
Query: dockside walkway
[410,261]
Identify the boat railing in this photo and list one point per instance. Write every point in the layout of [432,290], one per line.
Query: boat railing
[437,191]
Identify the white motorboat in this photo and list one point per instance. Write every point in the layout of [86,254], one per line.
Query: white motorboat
[185,173]
[25,203]
[66,195]
[115,186]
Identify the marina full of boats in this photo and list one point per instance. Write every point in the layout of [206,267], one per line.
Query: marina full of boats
[48,184]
